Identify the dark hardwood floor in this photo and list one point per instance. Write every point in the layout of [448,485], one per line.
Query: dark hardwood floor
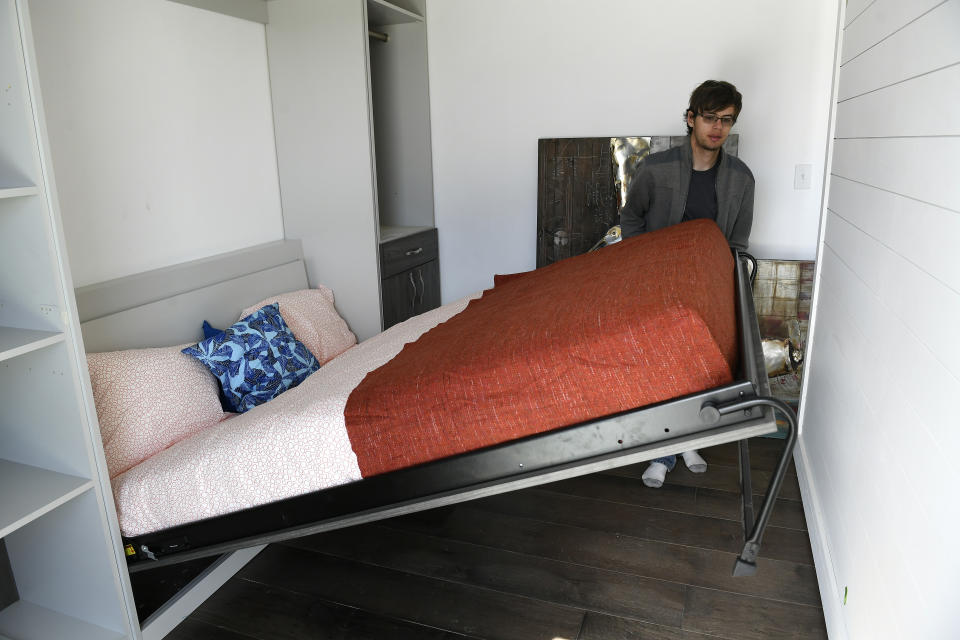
[594,558]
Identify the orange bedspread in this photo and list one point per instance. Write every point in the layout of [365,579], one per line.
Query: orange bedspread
[646,320]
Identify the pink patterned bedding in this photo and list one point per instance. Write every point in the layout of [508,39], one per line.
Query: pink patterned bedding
[224,468]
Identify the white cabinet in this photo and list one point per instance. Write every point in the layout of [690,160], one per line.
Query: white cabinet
[59,562]
[350,113]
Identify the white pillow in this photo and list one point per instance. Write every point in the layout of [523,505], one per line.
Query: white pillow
[148,400]
[313,320]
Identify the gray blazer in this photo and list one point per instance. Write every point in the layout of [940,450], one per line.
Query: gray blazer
[658,195]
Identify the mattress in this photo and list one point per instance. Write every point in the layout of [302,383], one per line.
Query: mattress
[649,319]
[646,320]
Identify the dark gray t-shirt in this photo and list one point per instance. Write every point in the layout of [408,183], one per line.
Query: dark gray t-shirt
[702,196]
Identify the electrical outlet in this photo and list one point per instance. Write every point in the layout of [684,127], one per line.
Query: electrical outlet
[801,176]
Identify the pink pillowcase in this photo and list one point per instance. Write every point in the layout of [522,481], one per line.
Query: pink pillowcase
[314,321]
[148,400]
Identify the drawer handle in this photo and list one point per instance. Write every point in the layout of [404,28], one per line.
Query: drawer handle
[413,298]
[416,251]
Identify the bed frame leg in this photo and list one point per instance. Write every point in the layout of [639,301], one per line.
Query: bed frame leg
[746,482]
[746,563]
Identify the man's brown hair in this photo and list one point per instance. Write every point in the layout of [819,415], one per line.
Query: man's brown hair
[714,95]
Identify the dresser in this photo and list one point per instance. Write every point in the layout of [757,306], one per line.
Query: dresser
[409,272]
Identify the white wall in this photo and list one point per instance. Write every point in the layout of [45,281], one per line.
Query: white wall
[879,437]
[161,131]
[505,73]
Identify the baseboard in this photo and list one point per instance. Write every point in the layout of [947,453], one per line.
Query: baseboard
[816,529]
[193,595]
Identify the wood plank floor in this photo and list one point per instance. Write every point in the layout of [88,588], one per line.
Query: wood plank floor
[594,558]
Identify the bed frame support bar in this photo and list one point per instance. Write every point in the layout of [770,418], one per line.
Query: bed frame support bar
[746,483]
[746,563]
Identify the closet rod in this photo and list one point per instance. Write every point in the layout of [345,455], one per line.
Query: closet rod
[382,37]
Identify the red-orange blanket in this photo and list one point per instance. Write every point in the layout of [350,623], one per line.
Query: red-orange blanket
[646,320]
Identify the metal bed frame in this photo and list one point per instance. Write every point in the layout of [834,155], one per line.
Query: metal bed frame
[732,412]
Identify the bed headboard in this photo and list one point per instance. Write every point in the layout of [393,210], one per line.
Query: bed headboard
[167,306]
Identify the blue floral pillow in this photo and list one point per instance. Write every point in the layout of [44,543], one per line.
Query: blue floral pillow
[209,331]
[256,359]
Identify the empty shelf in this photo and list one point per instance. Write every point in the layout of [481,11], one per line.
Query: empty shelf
[18,192]
[24,619]
[381,13]
[27,492]
[16,342]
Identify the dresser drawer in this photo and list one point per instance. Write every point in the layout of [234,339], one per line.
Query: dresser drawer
[406,252]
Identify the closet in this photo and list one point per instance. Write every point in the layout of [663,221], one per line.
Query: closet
[353,150]
[60,571]
[409,266]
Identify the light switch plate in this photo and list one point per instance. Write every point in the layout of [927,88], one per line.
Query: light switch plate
[801,176]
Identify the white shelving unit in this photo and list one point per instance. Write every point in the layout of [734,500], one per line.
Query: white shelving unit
[356,157]
[60,573]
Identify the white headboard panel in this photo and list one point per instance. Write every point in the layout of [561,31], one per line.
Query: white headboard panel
[167,306]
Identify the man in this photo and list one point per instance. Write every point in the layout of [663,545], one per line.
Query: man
[694,180]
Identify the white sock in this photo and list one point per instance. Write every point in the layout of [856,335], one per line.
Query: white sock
[655,474]
[694,462]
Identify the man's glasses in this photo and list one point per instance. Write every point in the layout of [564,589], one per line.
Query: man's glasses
[712,119]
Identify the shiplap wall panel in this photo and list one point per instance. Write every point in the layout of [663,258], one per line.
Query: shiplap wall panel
[931,42]
[859,437]
[854,10]
[882,214]
[921,168]
[914,107]
[894,351]
[928,309]
[887,434]
[862,403]
[838,466]
[883,19]
[883,374]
